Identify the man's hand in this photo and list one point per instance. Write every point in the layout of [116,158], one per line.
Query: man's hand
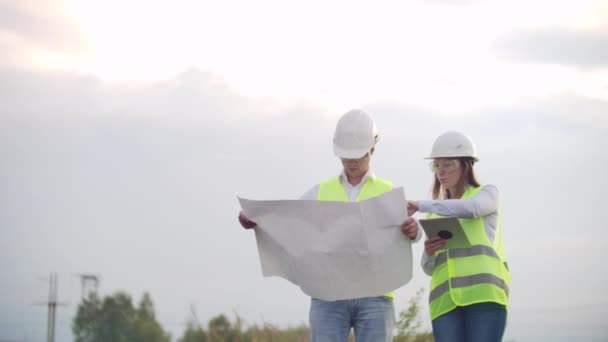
[434,244]
[245,222]
[409,227]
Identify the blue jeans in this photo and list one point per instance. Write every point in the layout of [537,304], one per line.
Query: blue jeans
[482,322]
[372,318]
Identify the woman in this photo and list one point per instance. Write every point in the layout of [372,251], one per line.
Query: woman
[469,286]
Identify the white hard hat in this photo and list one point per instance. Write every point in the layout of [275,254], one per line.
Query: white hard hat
[453,144]
[355,135]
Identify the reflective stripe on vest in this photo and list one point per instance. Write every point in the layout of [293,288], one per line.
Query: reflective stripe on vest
[465,252]
[332,190]
[464,276]
[483,278]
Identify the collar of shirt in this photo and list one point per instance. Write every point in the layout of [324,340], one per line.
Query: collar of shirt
[366,176]
[351,191]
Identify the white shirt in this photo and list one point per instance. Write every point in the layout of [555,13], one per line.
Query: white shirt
[484,204]
[352,191]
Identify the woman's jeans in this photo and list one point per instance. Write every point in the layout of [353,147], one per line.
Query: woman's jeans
[372,318]
[482,322]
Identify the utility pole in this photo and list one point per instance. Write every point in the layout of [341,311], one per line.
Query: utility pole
[50,336]
[52,305]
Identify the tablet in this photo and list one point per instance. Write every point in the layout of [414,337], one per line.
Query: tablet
[448,228]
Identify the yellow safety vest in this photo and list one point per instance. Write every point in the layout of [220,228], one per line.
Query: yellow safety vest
[477,274]
[332,190]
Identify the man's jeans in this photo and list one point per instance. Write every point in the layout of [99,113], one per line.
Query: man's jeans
[483,322]
[372,318]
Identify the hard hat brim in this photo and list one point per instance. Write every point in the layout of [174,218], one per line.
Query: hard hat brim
[446,156]
[350,154]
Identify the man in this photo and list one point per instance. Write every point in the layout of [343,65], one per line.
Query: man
[372,318]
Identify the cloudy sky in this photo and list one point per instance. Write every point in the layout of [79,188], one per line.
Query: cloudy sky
[128,128]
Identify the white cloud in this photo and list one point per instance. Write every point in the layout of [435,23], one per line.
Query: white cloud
[585,49]
[336,55]
[39,35]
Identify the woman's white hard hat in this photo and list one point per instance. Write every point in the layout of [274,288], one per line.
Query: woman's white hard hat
[453,144]
[355,135]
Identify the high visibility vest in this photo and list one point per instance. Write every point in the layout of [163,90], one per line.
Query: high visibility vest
[477,274]
[332,190]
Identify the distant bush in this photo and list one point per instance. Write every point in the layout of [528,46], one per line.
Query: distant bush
[410,321]
[220,329]
[115,318]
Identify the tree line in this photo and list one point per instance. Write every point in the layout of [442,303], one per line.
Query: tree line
[114,318]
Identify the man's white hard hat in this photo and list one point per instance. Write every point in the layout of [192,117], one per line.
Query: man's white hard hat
[355,135]
[453,144]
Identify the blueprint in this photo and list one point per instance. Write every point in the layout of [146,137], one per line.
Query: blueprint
[334,250]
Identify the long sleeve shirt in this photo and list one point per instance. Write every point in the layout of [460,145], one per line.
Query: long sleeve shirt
[484,204]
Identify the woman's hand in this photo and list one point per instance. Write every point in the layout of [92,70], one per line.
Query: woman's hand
[245,222]
[409,227]
[434,244]
[412,207]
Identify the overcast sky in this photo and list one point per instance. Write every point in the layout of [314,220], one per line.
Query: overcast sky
[128,130]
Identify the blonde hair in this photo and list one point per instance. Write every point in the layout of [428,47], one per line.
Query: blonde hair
[466,178]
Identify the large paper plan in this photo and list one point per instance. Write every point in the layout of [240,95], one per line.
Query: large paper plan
[334,250]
